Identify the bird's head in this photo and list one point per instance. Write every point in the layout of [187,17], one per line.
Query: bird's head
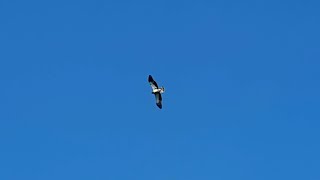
[162,89]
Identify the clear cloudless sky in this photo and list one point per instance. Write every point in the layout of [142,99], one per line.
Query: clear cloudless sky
[242,96]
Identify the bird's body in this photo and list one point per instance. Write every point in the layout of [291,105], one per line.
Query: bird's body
[156,91]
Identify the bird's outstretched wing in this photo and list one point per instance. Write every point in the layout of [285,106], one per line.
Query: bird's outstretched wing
[158,100]
[152,82]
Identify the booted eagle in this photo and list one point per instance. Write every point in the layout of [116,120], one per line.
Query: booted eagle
[156,91]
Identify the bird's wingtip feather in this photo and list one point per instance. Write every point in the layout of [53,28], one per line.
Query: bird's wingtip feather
[160,106]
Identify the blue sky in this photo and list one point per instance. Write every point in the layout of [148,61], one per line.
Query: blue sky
[241,101]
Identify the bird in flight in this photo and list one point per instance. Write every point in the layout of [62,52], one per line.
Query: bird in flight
[156,91]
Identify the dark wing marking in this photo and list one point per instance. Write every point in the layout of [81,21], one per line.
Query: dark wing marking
[158,100]
[152,82]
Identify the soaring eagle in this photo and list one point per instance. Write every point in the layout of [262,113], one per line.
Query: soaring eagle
[156,91]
